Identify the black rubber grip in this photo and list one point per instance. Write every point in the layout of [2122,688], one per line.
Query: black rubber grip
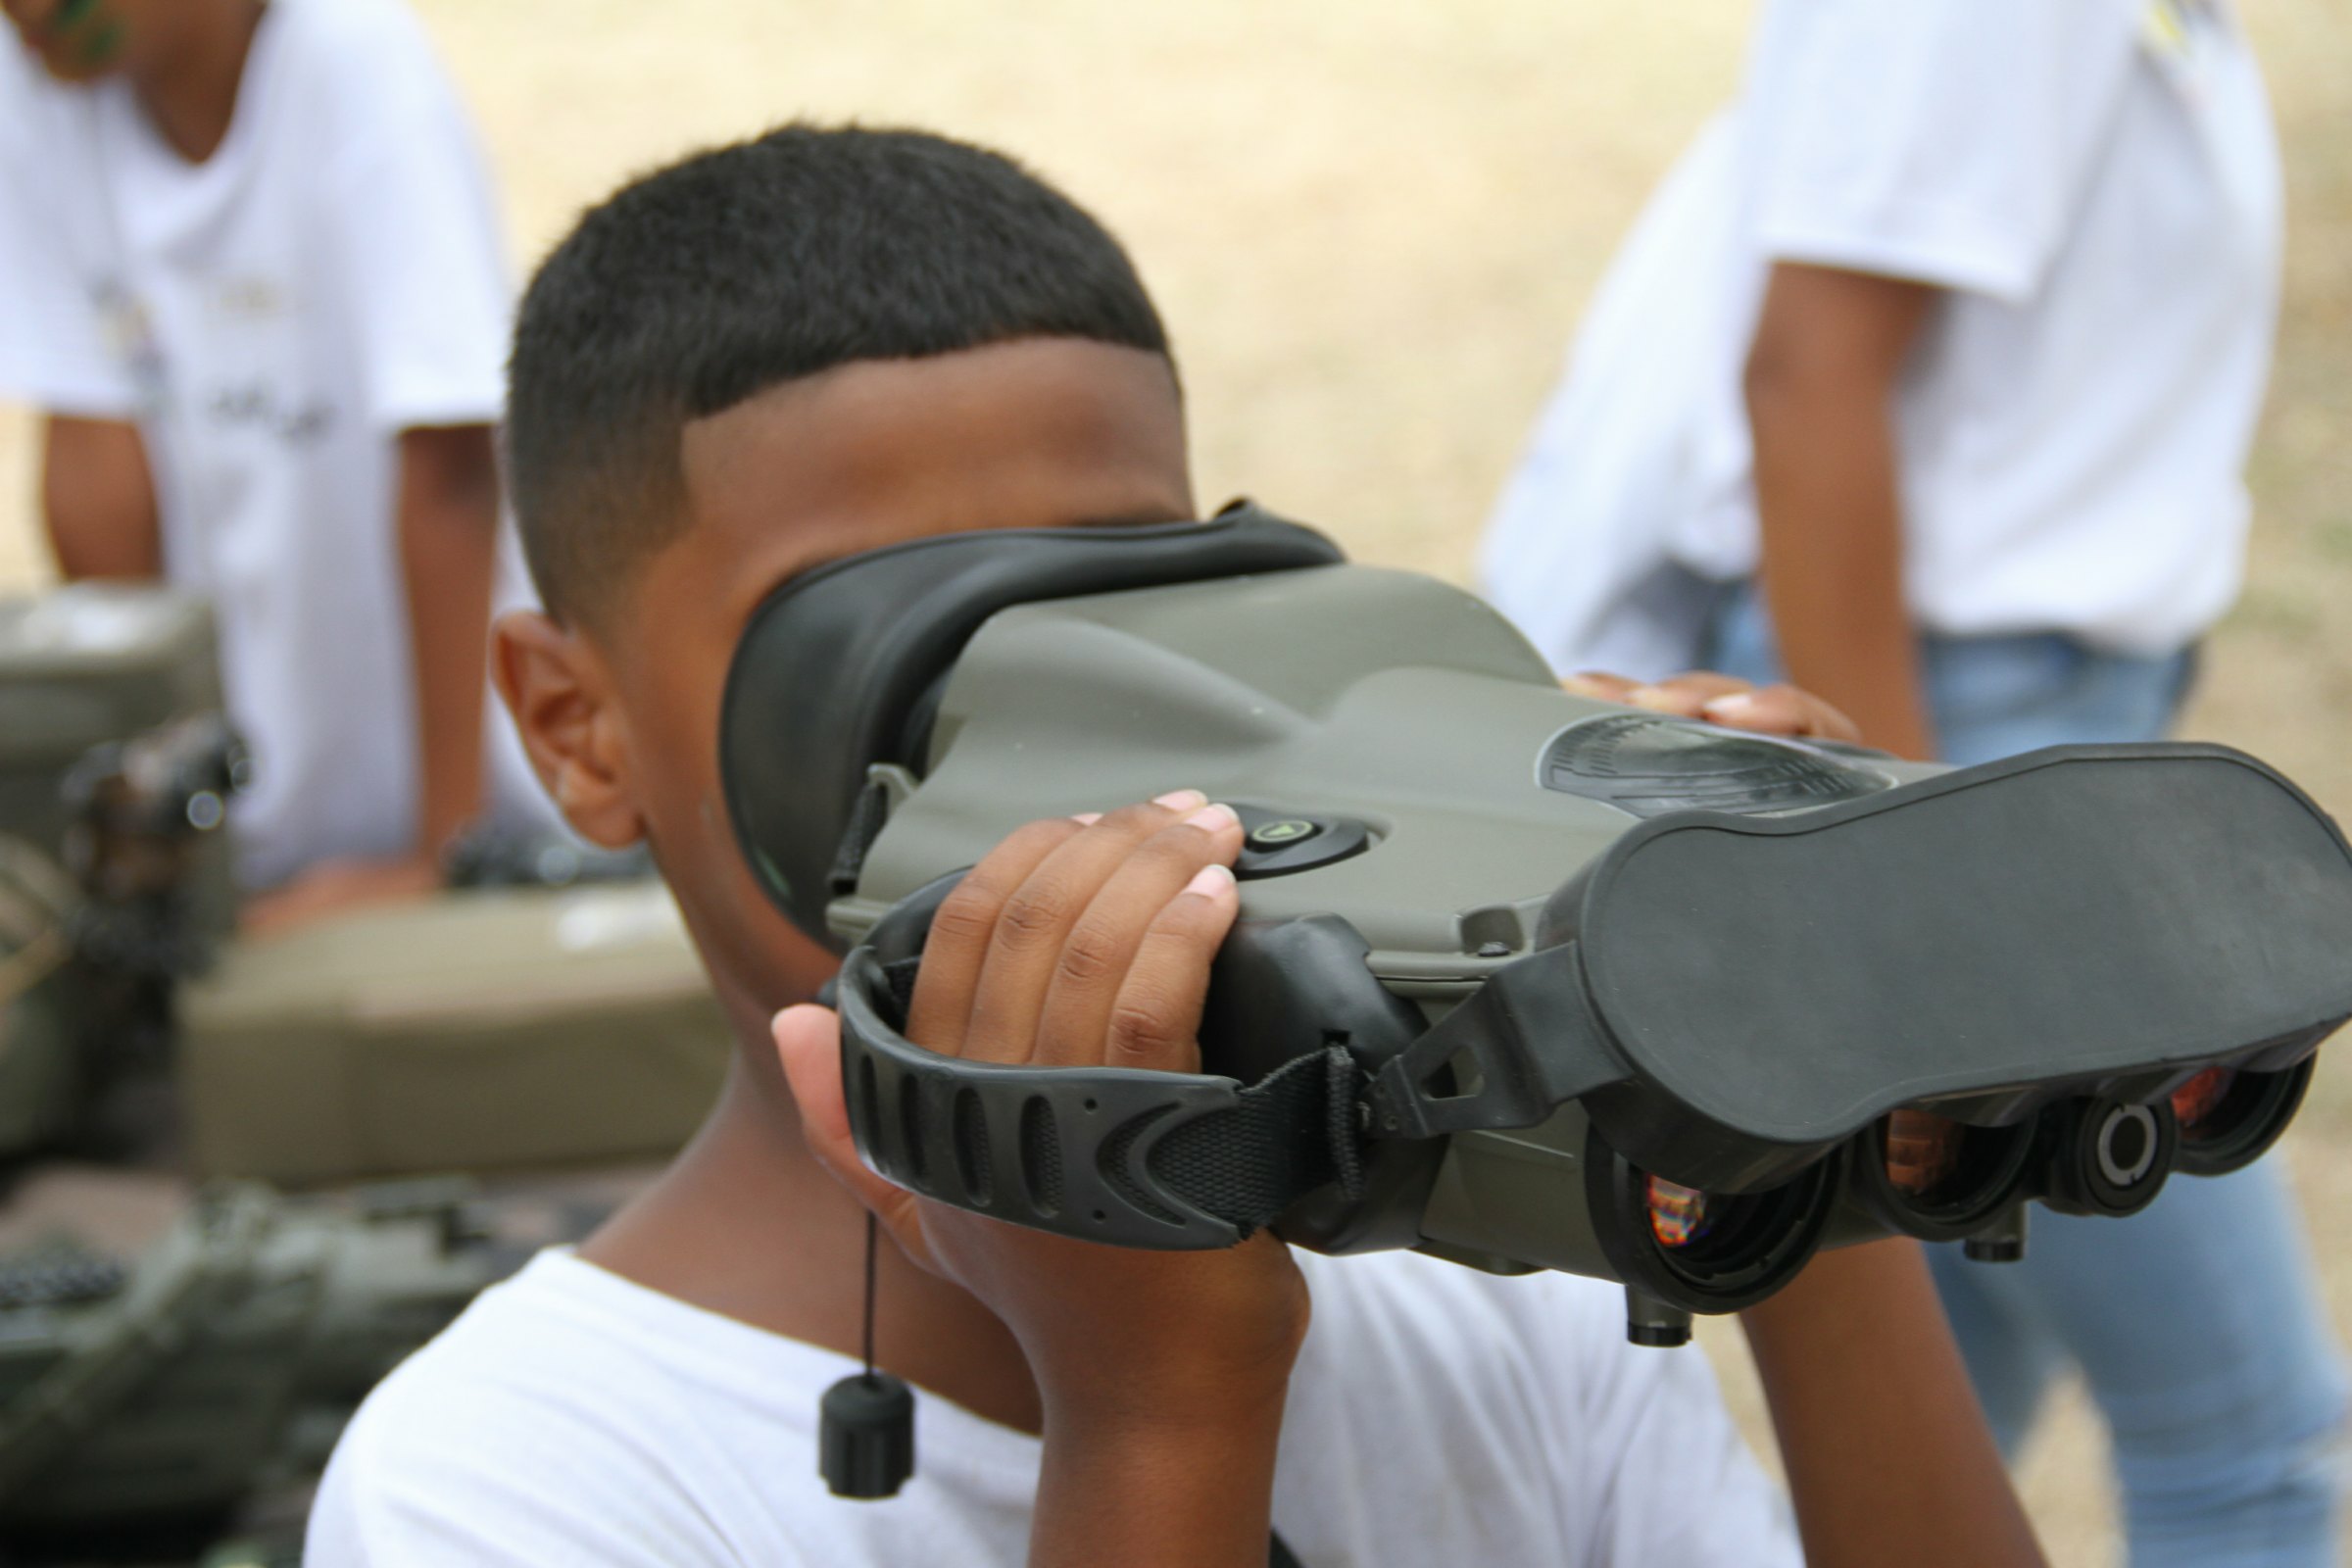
[1171,1162]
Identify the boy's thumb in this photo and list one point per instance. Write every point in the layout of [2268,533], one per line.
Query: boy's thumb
[808,1045]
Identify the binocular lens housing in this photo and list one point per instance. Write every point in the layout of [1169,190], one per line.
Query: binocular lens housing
[1706,1252]
[2108,1156]
[2229,1117]
[1939,1180]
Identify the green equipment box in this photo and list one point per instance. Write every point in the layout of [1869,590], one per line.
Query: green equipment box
[474,1031]
[86,663]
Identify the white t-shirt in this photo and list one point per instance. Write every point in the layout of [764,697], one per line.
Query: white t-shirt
[2097,182]
[272,317]
[1435,1416]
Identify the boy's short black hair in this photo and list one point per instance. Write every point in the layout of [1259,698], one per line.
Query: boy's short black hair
[698,285]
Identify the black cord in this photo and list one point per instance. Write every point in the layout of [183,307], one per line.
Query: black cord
[873,1229]
[865,1427]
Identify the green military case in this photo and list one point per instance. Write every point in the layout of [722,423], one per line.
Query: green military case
[41,1073]
[81,665]
[84,664]
[479,1030]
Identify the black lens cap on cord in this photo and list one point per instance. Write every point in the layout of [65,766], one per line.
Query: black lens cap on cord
[865,1436]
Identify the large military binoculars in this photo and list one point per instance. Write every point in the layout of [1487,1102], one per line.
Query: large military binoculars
[1522,979]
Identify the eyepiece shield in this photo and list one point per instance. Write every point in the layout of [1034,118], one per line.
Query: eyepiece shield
[840,668]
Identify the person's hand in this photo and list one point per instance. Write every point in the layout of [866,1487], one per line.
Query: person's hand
[1082,942]
[337,887]
[1724,700]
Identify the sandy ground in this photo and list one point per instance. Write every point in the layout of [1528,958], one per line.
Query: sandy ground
[1371,228]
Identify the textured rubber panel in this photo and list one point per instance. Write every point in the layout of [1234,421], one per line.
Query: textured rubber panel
[1649,764]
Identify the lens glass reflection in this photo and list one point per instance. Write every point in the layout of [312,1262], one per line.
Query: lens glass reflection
[1922,1151]
[1678,1214]
[2195,1100]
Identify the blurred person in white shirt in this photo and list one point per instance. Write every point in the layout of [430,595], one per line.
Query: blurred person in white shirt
[255,289]
[1927,381]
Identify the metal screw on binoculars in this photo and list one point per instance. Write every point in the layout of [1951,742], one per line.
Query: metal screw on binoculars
[1521,980]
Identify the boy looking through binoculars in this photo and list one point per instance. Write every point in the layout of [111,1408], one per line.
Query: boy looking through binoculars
[815,344]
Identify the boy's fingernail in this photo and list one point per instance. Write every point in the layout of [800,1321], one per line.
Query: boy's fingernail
[1213,819]
[1181,800]
[1210,881]
[1087,818]
[1736,704]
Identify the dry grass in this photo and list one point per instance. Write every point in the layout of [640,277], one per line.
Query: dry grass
[1372,228]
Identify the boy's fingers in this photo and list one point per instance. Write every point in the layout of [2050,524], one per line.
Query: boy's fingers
[961,932]
[1704,684]
[1826,718]
[1155,1021]
[1095,958]
[1665,698]
[808,1044]
[1772,711]
[1599,685]
[1780,710]
[1037,918]
[1686,695]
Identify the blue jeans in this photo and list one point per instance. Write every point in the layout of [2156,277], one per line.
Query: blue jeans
[2197,1324]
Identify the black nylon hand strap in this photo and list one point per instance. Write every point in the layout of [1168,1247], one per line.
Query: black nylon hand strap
[1173,1162]
[1289,1134]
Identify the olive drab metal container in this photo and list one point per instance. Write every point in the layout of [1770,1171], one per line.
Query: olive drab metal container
[96,914]
[137,1394]
[474,1031]
[86,663]
[41,1071]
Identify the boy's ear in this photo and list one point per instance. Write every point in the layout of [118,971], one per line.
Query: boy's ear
[566,709]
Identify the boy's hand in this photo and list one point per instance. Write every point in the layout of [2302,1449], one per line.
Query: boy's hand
[1082,942]
[1724,700]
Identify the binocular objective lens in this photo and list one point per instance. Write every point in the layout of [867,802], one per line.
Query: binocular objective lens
[1678,1214]
[2195,1100]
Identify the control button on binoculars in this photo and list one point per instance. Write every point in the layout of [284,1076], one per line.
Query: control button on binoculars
[1276,843]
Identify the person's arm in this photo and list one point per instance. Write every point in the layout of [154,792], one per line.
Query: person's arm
[1821,377]
[420,261]
[1161,1375]
[448,520]
[98,499]
[1889,1456]
[1167,1490]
